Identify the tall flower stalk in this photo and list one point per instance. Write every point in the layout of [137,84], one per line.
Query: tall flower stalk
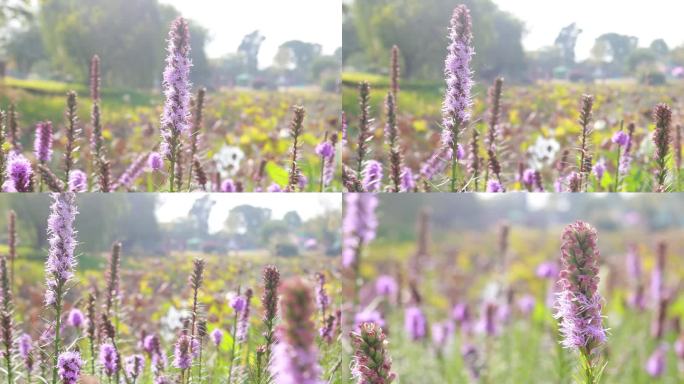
[372,363]
[3,156]
[195,284]
[72,133]
[662,115]
[365,134]
[296,128]
[176,81]
[6,326]
[12,243]
[295,356]
[61,261]
[392,139]
[494,94]
[269,300]
[579,302]
[459,80]
[359,226]
[197,121]
[584,121]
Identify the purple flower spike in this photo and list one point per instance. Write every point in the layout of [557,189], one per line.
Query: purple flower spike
[655,366]
[620,138]
[155,162]
[415,323]
[19,173]
[69,367]
[325,149]
[385,285]
[372,176]
[60,264]
[109,359]
[78,181]
[134,366]
[228,186]
[459,78]
[547,270]
[216,336]
[494,186]
[358,226]
[368,316]
[176,82]
[408,182]
[182,357]
[75,318]
[237,303]
[579,303]
[42,146]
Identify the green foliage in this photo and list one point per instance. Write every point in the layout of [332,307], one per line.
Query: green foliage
[419,28]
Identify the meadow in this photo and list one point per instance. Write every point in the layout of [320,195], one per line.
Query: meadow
[469,133]
[482,304]
[245,317]
[87,137]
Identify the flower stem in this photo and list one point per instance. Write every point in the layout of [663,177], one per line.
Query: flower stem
[232,348]
[58,310]
[617,170]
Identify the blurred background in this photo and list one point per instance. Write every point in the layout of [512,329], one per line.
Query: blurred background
[259,44]
[157,225]
[521,40]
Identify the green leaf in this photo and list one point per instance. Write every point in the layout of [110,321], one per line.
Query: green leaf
[276,173]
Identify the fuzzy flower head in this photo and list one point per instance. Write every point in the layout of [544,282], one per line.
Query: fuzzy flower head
[295,356]
[237,303]
[547,270]
[579,303]
[176,82]
[620,138]
[155,162]
[42,145]
[655,366]
[386,285]
[182,357]
[60,264]
[75,318]
[372,176]
[408,182]
[415,323]
[19,174]
[493,186]
[325,149]
[459,77]
[243,321]
[216,336]
[599,169]
[78,181]
[134,366]
[359,225]
[69,367]
[371,363]
[109,359]
[368,316]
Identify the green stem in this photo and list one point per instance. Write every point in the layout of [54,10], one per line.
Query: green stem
[172,174]
[232,348]
[58,310]
[454,163]
[588,367]
[617,170]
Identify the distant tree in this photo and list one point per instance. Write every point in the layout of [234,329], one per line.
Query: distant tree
[614,48]
[131,49]
[139,226]
[25,47]
[250,46]
[659,47]
[641,57]
[292,219]
[247,219]
[419,28]
[566,41]
[200,211]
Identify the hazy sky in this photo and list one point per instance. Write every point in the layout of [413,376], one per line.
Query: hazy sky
[647,20]
[173,206]
[228,21]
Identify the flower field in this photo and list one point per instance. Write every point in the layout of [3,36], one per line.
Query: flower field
[506,299]
[68,137]
[246,317]
[467,134]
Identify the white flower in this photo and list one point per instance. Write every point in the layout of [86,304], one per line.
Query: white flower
[543,152]
[228,160]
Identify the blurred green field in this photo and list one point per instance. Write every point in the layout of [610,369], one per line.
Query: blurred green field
[530,114]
